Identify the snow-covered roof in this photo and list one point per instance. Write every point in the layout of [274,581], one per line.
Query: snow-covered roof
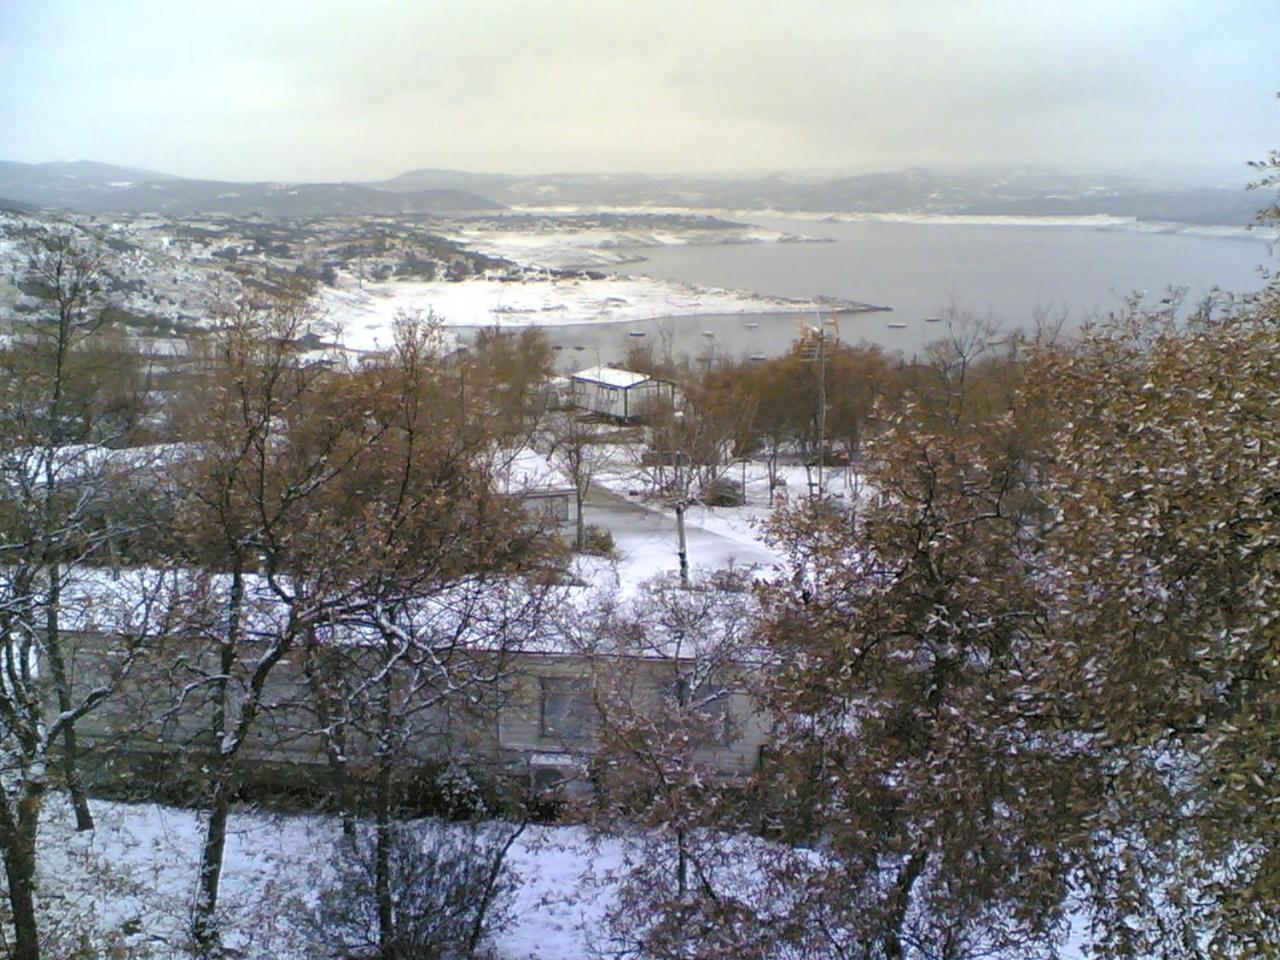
[527,471]
[612,376]
[482,613]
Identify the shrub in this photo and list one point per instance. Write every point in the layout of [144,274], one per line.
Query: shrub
[598,541]
[449,890]
[722,493]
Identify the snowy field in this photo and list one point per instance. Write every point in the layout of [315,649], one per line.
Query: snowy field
[128,885]
[134,876]
[644,530]
[365,316]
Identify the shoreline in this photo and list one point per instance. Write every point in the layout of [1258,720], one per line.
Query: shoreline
[366,316]
[1095,221]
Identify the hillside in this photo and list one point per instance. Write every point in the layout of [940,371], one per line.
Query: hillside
[98,187]
[994,192]
[101,188]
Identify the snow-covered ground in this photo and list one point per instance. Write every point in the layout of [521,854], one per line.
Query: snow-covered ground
[136,873]
[366,315]
[549,242]
[127,887]
[644,530]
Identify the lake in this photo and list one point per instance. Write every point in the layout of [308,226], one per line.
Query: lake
[919,269]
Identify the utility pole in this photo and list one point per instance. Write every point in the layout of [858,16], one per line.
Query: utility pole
[822,406]
[684,546]
[815,350]
[462,353]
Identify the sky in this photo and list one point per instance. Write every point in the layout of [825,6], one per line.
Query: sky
[326,90]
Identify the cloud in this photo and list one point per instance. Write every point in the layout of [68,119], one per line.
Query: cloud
[314,90]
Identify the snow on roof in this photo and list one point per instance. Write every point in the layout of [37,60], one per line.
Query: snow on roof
[479,613]
[527,471]
[612,376]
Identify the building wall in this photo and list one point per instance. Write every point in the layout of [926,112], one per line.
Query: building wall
[599,398]
[523,729]
[625,403]
[552,506]
[165,707]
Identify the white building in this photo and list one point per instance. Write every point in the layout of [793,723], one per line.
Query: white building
[622,394]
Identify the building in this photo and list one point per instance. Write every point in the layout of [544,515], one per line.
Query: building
[622,394]
[542,488]
[487,684]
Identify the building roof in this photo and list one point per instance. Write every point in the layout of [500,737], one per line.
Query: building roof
[612,376]
[528,472]
[483,612]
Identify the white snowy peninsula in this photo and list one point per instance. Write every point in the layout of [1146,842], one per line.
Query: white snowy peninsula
[365,315]
[574,239]
[551,286]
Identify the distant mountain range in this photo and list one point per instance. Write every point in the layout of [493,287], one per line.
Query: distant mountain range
[998,192]
[99,187]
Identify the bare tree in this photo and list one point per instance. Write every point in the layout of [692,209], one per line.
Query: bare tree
[582,449]
[675,722]
[274,435]
[334,505]
[46,412]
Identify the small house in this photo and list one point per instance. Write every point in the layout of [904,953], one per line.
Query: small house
[547,495]
[622,394]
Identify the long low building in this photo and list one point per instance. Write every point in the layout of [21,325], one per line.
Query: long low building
[622,394]
[469,680]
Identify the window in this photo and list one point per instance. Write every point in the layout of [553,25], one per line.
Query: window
[566,708]
[708,704]
[553,507]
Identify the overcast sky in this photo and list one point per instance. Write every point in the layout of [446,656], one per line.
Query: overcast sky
[320,90]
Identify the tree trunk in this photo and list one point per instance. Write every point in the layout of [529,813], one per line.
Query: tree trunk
[334,738]
[581,522]
[382,863]
[50,558]
[203,926]
[18,838]
[71,772]
[899,901]
[491,889]
[682,544]
[62,689]
[383,834]
[682,863]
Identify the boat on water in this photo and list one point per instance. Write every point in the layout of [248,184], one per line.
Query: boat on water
[897,325]
[932,319]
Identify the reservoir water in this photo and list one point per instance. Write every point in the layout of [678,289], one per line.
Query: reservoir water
[919,269]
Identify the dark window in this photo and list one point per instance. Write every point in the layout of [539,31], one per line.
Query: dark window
[566,708]
[708,705]
[554,507]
